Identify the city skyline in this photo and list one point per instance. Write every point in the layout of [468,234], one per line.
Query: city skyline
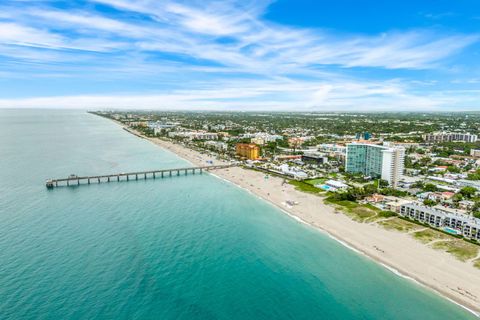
[249,55]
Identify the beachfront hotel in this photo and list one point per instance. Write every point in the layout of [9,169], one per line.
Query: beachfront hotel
[443,218]
[249,151]
[378,161]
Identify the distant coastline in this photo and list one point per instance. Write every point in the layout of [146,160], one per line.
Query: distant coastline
[437,270]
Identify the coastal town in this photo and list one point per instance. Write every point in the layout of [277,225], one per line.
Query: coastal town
[418,173]
[240,160]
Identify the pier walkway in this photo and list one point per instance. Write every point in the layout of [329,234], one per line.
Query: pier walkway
[77,180]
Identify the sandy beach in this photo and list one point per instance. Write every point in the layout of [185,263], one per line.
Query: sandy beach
[401,253]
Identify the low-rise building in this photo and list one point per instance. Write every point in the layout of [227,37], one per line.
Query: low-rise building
[389,203]
[475,153]
[263,137]
[194,135]
[217,145]
[375,198]
[295,142]
[442,218]
[395,205]
[293,172]
[314,158]
[466,204]
[288,157]
[337,185]
[468,183]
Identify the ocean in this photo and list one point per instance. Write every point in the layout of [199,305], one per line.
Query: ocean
[187,247]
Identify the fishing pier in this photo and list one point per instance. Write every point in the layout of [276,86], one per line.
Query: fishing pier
[74,180]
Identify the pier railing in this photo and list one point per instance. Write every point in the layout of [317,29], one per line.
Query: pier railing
[127,176]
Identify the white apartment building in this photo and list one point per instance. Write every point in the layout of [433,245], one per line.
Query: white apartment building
[443,218]
[449,137]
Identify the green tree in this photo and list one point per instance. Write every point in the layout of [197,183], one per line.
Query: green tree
[425,161]
[429,202]
[474,176]
[453,169]
[430,187]
[457,197]
[418,184]
[476,209]
[370,189]
[468,192]
[383,183]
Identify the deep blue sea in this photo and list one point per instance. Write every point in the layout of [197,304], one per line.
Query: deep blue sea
[191,247]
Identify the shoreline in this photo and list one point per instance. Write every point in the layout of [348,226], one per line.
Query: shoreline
[400,253]
[362,253]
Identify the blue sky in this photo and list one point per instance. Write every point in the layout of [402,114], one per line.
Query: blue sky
[241,55]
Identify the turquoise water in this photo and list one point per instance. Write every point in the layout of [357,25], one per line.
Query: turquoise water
[189,247]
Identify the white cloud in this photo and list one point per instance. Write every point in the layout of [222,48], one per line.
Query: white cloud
[266,95]
[222,41]
[15,34]
[253,44]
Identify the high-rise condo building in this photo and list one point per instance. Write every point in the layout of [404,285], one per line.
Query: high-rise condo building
[376,161]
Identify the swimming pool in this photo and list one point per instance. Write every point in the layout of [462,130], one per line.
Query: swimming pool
[450,230]
[327,188]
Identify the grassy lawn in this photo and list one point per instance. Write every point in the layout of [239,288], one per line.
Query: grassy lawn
[305,187]
[343,203]
[315,181]
[371,207]
[386,214]
[399,225]
[429,235]
[462,250]
[476,263]
[354,210]
[361,213]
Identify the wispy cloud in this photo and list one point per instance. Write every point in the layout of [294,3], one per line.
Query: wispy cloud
[226,35]
[266,95]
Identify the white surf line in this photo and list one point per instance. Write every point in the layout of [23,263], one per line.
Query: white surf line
[402,275]
[351,247]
